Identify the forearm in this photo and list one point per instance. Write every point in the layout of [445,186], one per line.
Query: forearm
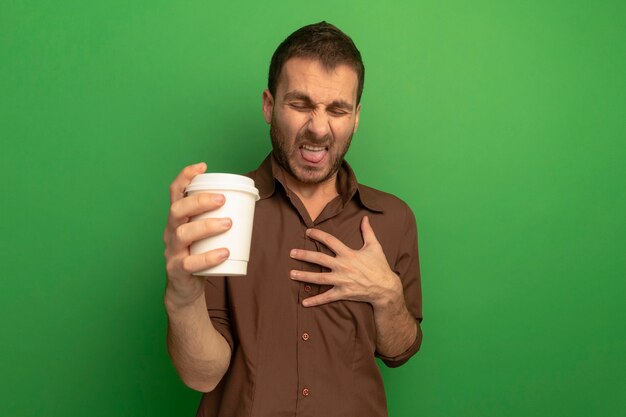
[396,328]
[199,353]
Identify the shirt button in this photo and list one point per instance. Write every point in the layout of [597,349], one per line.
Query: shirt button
[305,392]
[305,336]
[307,288]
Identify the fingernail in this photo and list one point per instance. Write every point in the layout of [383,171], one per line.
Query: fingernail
[222,254]
[293,253]
[308,232]
[293,274]
[198,165]
[218,198]
[225,222]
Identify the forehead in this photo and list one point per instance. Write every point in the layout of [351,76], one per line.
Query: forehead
[310,77]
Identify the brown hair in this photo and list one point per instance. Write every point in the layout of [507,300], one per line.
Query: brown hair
[320,41]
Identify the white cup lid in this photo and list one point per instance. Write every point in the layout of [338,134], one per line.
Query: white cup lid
[223,182]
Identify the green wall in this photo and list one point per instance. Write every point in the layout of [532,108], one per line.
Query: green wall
[500,122]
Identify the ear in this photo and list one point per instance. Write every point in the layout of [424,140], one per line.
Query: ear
[357,117]
[268,105]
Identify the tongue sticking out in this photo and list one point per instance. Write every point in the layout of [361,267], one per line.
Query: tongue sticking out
[312,156]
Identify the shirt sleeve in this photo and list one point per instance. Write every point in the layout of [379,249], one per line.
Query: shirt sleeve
[408,269]
[215,293]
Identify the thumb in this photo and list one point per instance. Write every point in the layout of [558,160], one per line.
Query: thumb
[369,236]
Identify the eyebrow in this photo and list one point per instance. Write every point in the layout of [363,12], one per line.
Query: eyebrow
[298,95]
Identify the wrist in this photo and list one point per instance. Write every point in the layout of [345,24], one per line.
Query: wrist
[176,299]
[391,297]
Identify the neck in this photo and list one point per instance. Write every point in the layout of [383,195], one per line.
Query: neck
[314,196]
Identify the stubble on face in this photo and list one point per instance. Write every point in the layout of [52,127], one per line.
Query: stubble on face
[286,155]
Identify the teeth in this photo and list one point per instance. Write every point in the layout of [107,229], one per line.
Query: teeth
[313,148]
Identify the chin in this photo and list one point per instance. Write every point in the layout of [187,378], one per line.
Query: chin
[310,175]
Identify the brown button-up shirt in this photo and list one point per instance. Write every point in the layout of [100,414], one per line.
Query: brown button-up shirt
[290,360]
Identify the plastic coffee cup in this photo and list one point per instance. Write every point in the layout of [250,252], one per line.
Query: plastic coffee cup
[241,197]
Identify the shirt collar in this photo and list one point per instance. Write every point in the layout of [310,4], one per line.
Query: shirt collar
[269,172]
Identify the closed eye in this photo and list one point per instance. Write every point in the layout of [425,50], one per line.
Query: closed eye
[337,111]
[300,106]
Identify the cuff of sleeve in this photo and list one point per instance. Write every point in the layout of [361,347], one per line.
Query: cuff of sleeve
[401,359]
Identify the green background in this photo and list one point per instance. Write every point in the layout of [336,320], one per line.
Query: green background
[501,123]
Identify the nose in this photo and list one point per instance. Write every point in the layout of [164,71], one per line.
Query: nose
[318,125]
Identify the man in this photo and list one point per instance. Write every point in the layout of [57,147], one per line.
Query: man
[333,278]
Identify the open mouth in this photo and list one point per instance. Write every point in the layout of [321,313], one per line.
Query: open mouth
[313,154]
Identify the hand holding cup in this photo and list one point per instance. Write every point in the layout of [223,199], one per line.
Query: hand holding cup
[180,233]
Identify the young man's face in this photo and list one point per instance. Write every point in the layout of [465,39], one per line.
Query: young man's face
[313,117]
